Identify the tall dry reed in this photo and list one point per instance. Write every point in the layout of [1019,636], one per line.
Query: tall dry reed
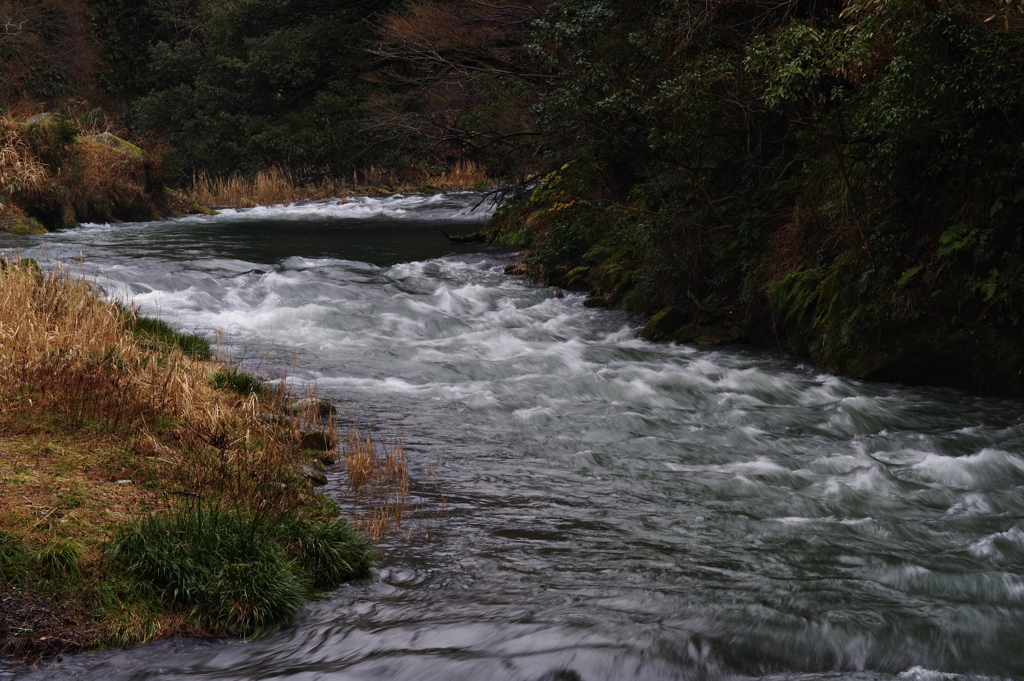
[376,481]
[463,175]
[269,187]
[21,170]
[275,185]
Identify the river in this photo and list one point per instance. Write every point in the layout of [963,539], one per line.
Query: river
[616,509]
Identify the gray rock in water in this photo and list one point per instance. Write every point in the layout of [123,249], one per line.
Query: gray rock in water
[555,292]
[319,405]
[316,477]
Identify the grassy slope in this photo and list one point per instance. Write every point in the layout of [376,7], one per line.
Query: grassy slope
[114,446]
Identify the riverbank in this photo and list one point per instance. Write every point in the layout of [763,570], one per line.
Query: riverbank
[57,171]
[144,490]
[871,299]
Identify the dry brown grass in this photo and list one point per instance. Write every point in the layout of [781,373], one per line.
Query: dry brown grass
[276,186]
[56,484]
[463,175]
[63,350]
[87,403]
[89,400]
[103,421]
[95,177]
[376,481]
[21,171]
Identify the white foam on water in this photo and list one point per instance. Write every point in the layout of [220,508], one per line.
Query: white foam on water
[970,504]
[919,673]
[988,469]
[1012,538]
[442,207]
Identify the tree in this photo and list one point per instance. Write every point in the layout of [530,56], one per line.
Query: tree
[45,50]
[253,82]
[462,79]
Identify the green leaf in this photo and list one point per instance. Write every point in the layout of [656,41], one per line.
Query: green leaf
[909,274]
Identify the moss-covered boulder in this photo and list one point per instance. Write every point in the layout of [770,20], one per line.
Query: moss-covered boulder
[595,301]
[112,141]
[318,441]
[13,223]
[706,334]
[662,325]
[311,406]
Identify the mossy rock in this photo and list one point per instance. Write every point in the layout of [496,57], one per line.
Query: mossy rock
[662,325]
[715,307]
[178,205]
[596,301]
[317,405]
[202,210]
[16,224]
[706,334]
[318,441]
[112,141]
[311,473]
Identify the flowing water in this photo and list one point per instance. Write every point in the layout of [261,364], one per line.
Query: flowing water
[616,509]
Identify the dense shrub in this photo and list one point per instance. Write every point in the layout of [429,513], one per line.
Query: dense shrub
[46,51]
[258,82]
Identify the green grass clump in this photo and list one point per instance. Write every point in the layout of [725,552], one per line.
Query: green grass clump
[159,333]
[330,552]
[243,383]
[237,570]
[58,559]
[13,554]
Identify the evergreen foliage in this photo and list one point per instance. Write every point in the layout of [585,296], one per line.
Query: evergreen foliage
[248,83]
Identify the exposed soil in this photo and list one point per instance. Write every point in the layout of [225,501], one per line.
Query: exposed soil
[34,627]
